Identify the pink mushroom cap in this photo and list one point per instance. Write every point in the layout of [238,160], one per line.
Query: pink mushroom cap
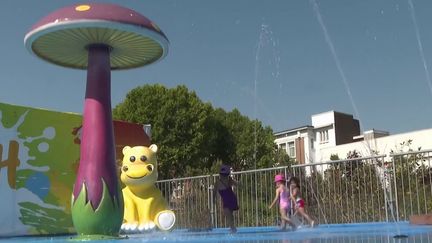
[62,37]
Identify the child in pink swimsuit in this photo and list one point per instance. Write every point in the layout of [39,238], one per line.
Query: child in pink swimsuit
[229,200]
[283,195]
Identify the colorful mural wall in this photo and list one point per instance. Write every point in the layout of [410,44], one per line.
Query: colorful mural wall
[39,156]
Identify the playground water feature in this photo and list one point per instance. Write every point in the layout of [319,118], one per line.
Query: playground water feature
[367,231]
[360,232]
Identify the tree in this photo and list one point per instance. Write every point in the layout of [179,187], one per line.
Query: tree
[412,172]
[250,145]
[353,165]
[193,136]
[334,157]
[282,158]
[181,125]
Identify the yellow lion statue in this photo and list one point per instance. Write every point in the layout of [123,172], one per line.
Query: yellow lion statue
[145,208]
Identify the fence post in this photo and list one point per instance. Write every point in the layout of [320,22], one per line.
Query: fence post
[210,190]
[256,198]
[395,186]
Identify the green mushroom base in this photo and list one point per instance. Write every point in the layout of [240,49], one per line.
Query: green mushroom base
[104,222]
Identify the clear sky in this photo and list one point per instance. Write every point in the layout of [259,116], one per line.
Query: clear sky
[276,60]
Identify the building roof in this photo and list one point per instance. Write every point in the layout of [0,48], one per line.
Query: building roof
[332,111]
[293,130]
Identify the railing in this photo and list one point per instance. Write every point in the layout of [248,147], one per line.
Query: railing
[367,189]
[344,191]
[192,199]
[412,186]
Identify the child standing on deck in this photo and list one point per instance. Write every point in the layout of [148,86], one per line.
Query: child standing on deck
[229,200]
[283,195]
[294,185]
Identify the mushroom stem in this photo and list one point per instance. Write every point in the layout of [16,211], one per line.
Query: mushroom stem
[97,158]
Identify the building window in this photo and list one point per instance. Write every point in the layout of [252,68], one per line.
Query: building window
[282,146]
[291,150]
[324,137]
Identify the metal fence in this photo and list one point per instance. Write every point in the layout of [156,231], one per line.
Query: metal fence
[345,191]
[412,183]
[366,189]
[192,199]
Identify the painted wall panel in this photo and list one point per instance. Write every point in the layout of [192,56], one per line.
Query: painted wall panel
[39,157]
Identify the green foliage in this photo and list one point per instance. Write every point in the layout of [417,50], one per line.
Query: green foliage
[362,190]
[353,165]
[282,159]
[352,187]
[181,125]
[192,135]
[248,144]
[413,180]
[345,169]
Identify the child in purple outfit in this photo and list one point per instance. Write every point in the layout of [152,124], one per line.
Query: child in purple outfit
[229,200]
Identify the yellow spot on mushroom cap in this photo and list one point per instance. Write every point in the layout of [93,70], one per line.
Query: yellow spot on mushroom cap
[82,8]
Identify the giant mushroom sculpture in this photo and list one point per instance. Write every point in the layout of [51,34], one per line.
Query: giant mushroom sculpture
[97,37]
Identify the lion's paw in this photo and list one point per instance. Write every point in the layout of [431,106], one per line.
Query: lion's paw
[129,227]
[146,227]
[134,228]
[165,220]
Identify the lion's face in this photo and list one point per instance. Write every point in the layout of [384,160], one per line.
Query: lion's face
[139,166]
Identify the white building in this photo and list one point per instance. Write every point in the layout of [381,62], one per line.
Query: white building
[336,133]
